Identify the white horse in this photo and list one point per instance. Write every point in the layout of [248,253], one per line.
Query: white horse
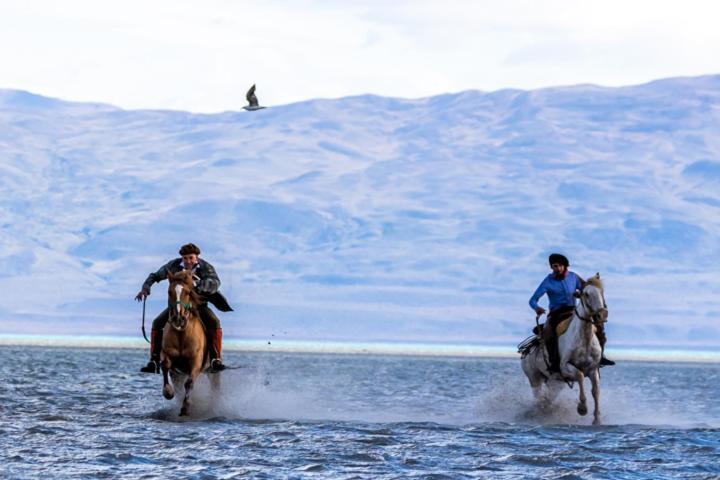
[580,352]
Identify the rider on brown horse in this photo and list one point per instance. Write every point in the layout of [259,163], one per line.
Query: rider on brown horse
[206,284]
[560,287]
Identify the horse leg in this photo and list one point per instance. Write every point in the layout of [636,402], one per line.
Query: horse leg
[536,384]
[168,391]
[595,379]
[189,384]
[582,404]
[185,409]
[536,379]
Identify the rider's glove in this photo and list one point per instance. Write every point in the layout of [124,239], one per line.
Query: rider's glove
[207,286]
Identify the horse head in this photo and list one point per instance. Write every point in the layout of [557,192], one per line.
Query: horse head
[181,298]
[592,301]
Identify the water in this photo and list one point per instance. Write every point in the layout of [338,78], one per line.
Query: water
[86,413]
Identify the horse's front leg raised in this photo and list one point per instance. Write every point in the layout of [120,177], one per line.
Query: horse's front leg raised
[168,391]
[189,384]
[595,379]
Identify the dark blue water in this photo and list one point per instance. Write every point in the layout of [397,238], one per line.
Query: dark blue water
[86,413]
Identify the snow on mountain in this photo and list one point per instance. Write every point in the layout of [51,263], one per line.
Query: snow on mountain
[370,218]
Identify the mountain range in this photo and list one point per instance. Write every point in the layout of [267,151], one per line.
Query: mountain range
[370,218]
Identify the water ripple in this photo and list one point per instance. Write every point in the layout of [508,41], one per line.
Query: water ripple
[319,416]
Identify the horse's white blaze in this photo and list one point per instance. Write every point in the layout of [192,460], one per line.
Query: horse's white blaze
[178,292]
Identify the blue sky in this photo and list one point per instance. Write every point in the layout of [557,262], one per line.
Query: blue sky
[202,56]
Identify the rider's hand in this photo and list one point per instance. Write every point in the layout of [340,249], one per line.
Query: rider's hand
[206,286]
[142,294]
[540,311]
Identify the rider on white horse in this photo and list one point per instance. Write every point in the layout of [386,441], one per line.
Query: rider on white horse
[560,287]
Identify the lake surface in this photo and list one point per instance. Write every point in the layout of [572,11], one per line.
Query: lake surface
[88,413]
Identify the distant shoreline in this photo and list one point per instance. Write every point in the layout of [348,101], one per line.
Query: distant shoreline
[661,354]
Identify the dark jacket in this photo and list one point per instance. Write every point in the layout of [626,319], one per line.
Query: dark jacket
[206,279]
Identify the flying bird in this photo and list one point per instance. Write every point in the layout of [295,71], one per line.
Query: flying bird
[252,100]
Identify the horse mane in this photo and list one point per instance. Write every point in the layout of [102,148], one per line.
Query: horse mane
[595,282]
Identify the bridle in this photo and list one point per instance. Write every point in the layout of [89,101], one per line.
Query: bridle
[185,307]
[594,318]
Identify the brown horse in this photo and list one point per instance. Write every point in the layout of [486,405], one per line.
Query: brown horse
[184,344]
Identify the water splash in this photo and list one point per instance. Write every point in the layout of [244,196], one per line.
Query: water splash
[513,402]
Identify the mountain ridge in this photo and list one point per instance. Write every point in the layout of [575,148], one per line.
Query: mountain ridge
[420,219]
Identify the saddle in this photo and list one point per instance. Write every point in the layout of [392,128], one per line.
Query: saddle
[528,345]
[562,327]
[562,321]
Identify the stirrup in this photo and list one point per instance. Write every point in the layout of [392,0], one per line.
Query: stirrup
[216,365]
[151,367]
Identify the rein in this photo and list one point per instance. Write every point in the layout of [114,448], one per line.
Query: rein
[143,321]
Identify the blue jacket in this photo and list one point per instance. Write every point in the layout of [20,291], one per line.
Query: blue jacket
[559,292]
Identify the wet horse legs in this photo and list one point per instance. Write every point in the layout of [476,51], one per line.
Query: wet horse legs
[582,403]
[195,370]
[595,379]
[168,391]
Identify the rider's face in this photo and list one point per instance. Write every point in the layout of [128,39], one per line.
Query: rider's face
[558,269]
[190,260]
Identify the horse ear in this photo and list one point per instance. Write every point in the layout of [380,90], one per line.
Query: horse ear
[597,275]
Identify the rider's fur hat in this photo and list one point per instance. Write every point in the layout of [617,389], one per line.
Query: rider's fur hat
[189,249]
[558,258]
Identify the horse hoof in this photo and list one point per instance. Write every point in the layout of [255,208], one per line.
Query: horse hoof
[582,409]
[183,412]
[168,393]
[597,421]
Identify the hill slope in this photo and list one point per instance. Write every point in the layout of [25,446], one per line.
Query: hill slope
[369,217]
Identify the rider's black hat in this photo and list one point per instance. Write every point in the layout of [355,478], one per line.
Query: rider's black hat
[189,249]
[558,258]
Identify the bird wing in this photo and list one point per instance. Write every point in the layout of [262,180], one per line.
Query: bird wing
[250,96]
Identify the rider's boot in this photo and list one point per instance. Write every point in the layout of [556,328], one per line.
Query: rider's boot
[216,363]
[551,345]
[604,361]
[554,354]
[153,366]
[600,333]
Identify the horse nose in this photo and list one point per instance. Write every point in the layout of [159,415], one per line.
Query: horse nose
[603,314]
